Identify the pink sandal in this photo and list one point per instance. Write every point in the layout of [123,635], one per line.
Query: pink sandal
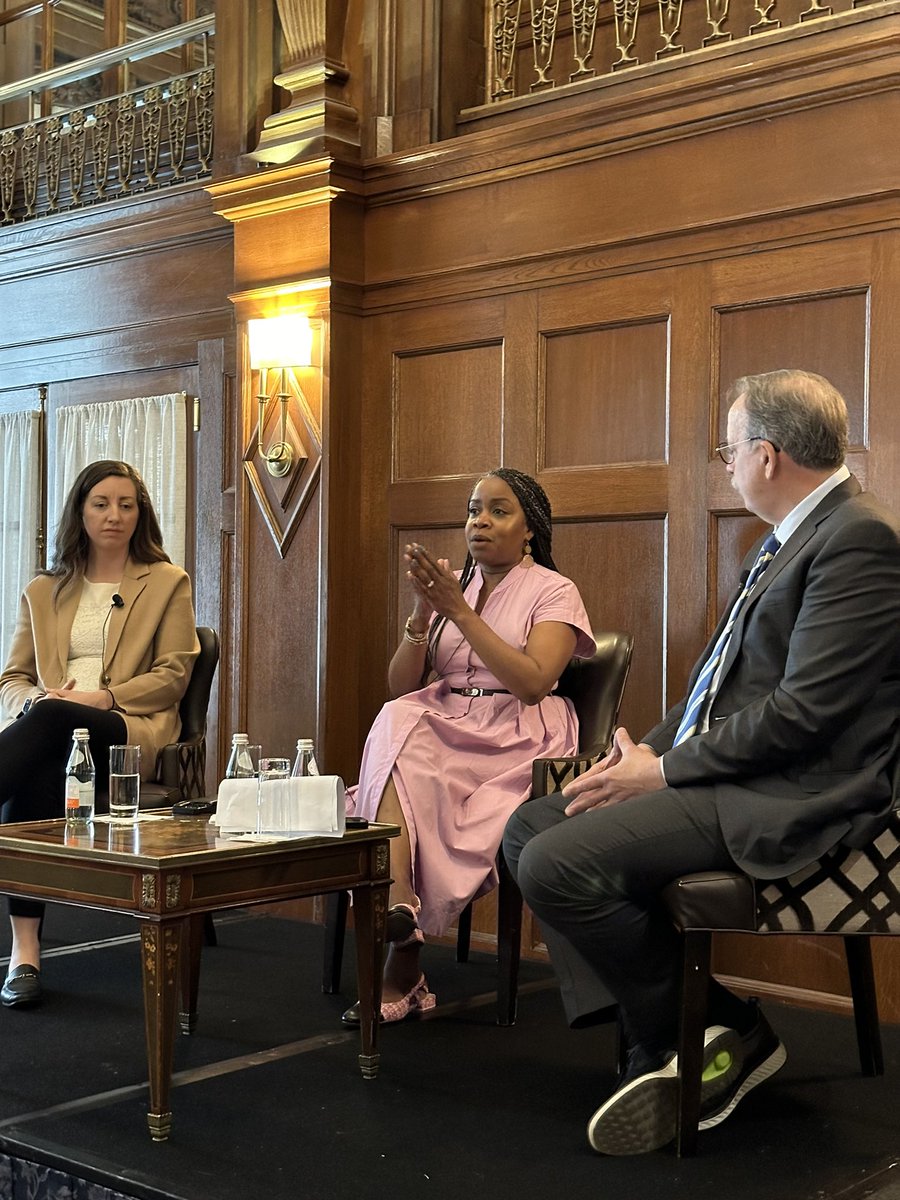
[418,999]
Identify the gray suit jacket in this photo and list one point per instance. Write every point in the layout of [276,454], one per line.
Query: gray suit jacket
[804,737]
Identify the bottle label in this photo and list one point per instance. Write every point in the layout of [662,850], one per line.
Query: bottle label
[78,795]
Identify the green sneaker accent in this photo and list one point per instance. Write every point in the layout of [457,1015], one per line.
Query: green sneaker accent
[719,1066]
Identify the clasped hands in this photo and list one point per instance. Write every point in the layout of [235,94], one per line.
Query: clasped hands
[628,770]
[101,698]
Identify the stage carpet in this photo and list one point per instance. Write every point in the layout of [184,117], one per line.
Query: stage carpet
[269,1103]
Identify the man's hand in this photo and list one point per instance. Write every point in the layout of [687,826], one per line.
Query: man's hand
[628,770]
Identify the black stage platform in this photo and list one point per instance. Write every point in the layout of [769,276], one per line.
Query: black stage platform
[269,1103]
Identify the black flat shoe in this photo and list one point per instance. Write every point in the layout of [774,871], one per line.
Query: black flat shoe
[22,988]
[351,1016]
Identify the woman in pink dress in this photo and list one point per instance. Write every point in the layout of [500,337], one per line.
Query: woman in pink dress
[450,757]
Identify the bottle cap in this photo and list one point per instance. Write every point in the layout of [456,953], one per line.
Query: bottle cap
[304,744]
[81,733]
[237,738]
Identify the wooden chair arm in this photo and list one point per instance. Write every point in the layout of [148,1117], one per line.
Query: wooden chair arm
[550,774]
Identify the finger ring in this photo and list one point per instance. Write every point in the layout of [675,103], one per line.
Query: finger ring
[430,583]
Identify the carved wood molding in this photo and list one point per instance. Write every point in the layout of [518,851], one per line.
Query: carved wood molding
[317,117]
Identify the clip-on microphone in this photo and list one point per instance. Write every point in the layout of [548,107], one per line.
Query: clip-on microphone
[115,602]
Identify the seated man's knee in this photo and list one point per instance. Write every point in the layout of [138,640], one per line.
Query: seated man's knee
[541,875]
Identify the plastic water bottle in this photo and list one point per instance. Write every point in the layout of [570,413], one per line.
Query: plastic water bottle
[80,778]
[305,762]
[240,764]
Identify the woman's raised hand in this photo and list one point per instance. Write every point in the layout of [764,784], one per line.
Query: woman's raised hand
[434,585]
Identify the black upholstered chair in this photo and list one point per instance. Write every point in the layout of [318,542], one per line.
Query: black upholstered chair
[181,767]
[854,894]
[595,687]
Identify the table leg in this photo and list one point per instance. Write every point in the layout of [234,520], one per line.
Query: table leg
[369,912]
[161,946]
[190,971]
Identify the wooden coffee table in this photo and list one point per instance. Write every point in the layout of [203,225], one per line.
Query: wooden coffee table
[168,873]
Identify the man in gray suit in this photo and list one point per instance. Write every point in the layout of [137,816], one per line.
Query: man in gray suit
[784,746]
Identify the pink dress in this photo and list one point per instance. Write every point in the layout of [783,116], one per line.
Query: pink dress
[461,764]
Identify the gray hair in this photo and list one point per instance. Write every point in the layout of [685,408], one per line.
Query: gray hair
[799,412]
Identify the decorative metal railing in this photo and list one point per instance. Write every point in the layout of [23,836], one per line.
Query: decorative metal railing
[540,44]
[147,138]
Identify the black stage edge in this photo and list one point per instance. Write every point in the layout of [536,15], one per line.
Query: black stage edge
[269,1102]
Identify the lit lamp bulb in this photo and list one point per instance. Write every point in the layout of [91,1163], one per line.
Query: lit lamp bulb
[279,342]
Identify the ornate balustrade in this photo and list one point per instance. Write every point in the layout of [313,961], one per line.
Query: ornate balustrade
[145,138]
[540,44]
[148,138]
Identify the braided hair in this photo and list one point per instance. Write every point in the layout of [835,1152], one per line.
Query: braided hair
[538,518]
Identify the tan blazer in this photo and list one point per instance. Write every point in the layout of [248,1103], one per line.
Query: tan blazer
[151,644]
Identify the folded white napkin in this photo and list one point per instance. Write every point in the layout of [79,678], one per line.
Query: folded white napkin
[312,806]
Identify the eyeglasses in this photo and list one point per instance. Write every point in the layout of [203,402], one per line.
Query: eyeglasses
[725,450]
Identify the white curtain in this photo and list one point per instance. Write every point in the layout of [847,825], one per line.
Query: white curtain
[20,506]
[150,433]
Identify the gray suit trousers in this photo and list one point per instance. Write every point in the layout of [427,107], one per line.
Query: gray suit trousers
[593,879]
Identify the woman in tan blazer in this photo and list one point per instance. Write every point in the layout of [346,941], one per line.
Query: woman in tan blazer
[106,640]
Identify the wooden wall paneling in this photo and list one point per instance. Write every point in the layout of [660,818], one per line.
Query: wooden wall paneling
[606,395]
[882,431]
[448,405]
[87,297]
[123,386]
[522,373]
[214,496]
[617,566]
[376,547]
[281,633]
[344,573]
[653,186]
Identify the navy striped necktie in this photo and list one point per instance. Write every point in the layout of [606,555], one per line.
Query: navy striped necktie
[696,703]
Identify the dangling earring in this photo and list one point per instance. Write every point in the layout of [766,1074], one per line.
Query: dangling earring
[527,560]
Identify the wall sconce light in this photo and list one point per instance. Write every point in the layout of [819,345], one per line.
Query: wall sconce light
[278,342]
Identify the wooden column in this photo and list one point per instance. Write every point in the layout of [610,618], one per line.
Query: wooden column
[298,247]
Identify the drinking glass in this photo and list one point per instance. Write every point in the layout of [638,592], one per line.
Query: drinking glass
[124,783]
[272,794]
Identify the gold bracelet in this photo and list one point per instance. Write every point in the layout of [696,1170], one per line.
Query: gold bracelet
[415,639]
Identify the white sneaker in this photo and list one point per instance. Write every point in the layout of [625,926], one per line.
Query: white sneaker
[641,1114]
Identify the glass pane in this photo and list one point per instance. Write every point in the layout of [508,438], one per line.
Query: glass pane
[146,17]
[78,32]
[149,16]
